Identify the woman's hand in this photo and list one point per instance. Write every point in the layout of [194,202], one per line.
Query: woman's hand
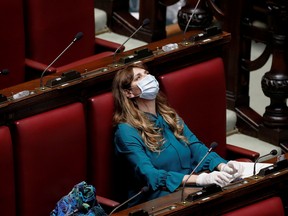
[233,168]
[220,178]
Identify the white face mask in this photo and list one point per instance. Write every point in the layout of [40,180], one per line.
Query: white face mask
[149,87]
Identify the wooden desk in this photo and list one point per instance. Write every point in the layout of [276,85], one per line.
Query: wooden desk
[97,76]
[232,197]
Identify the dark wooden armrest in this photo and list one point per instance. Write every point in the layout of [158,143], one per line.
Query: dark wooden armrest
[241,154]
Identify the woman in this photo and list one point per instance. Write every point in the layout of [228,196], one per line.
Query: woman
[158,147]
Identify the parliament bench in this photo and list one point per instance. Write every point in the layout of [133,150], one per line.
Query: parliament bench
[48,153]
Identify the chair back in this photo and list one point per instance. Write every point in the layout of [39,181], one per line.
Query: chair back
[51,157]
[7,184]
[198,93]
[105,175]
[52,25]
[12,43]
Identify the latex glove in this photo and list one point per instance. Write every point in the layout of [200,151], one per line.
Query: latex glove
[233,168]
[220,178]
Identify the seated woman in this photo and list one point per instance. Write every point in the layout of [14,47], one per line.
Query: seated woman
[158,147]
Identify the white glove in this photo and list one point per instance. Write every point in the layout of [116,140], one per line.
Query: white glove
[233,168]
[216,177]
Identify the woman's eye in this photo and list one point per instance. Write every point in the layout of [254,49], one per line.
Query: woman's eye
[138,77]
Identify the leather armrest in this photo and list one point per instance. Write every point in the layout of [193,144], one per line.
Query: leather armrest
[102,45]
[106,202]
[243,154]
[38,66]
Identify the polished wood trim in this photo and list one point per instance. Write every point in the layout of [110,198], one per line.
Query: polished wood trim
[97,76]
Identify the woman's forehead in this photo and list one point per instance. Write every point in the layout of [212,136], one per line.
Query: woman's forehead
[138,70]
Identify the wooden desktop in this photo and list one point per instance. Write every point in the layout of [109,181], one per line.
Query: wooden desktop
[234,196]
[97,76]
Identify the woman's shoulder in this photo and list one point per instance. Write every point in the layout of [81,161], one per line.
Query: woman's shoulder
[125,128]
[123,125]
[125,132]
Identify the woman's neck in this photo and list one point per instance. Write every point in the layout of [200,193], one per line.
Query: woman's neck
[148,106]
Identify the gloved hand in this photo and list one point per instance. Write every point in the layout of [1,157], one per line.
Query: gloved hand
[233,168]
[216,177]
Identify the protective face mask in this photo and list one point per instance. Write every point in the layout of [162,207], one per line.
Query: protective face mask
[149,87]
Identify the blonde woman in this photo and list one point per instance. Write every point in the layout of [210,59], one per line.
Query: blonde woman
[158,147]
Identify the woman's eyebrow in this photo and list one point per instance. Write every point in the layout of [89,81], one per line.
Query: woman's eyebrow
[137,75]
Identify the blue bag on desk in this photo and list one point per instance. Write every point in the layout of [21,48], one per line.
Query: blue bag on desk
[81,201]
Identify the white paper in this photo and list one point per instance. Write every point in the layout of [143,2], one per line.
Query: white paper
[249,168]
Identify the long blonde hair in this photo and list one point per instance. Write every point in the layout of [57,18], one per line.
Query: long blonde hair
[127,111]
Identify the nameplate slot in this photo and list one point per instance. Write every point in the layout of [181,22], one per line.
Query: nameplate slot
[64,78]
[280,165]
[138,54]
[206,191]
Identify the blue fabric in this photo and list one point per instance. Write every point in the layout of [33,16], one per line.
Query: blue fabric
[79,202]
[162,172]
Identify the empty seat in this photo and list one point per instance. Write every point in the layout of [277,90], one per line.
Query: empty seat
[52,25]
[51,157]
[7,184]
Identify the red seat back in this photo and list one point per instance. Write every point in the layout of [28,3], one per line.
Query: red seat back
[104,166]
[271,206]
[198,93]
[51,26]
[7,184]
[12,42]
[51,157]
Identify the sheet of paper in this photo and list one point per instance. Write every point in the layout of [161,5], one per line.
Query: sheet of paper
[249,168]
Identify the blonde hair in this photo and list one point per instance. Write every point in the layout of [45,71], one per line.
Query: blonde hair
[127,111]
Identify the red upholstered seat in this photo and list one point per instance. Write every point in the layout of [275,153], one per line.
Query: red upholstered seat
[198,93]
[51,157]
[104,171]
[268,207]
[7,184]
[51,26]
[12,43]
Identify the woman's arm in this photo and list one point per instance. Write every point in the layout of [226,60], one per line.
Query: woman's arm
[130,145]
[198,149]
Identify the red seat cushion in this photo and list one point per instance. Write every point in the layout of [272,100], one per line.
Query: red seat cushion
[7,184]
[51,155]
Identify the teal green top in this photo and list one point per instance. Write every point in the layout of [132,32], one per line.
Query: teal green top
[161,172]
